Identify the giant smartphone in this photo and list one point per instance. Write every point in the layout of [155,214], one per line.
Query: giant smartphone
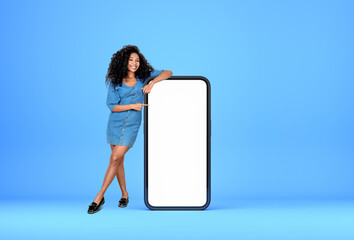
[177,134]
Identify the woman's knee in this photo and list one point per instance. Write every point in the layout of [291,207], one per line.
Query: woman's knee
[121,162]
[116,159]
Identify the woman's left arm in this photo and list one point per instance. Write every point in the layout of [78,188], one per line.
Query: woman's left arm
[164,75]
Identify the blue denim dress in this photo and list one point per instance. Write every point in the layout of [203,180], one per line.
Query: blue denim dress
[123,127]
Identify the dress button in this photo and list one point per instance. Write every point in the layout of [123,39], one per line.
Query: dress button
[132,98]
[133,93]
[123,129]
[124,123]
[126,118]
[121,134]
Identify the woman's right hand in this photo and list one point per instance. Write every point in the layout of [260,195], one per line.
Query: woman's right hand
[138,106]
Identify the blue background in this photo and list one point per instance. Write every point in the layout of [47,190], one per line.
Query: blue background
[282,96]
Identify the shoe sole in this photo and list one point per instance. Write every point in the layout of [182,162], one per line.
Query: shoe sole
[97,209]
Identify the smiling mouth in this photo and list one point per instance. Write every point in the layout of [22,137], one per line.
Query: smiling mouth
[133,67]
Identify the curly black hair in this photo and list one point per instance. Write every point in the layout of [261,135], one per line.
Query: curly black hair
[118,66]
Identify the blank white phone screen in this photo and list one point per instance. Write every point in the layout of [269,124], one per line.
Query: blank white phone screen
[177,143]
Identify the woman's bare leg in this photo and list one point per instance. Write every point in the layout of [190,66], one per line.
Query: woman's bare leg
[121,177]
[116,158]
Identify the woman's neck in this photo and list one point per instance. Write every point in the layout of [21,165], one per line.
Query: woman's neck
[130,75]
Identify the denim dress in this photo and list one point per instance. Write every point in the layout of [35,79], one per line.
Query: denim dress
[123,127]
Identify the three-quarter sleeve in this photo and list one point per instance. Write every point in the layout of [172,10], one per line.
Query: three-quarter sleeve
[155,73]
[112,97]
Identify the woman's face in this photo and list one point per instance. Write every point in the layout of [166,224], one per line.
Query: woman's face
[133,62]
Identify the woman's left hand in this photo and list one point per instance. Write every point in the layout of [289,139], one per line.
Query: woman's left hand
[147,88]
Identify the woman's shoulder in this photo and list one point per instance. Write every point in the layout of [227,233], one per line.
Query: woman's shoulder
[112,87]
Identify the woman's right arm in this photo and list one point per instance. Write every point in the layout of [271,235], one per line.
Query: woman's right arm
[122,108]
[113,100]
[134,106]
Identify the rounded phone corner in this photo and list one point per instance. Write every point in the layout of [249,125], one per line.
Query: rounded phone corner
[206,205]
[148,205]
[204,79]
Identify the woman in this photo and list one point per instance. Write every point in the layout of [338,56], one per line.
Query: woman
[126,75]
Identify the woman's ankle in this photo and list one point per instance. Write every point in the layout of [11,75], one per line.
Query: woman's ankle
[125,195]
[99,196]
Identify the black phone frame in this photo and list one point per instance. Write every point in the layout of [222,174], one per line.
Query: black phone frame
[146,144]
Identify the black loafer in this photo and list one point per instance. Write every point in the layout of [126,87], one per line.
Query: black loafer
[123,202]
[93,208]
